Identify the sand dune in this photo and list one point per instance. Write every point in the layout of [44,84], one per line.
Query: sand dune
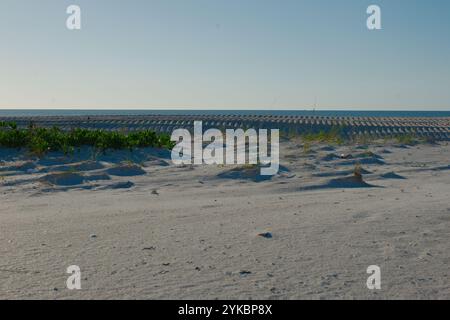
[140,227]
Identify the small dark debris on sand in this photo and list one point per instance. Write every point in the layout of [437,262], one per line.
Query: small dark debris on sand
[346,156]
[266,235]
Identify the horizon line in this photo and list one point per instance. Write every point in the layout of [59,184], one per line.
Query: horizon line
[222,109]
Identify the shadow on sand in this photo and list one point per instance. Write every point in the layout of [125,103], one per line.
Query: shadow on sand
[351,182]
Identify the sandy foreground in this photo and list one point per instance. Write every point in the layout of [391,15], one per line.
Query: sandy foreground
[152,230]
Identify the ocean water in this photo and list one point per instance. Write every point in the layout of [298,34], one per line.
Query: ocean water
[333,113]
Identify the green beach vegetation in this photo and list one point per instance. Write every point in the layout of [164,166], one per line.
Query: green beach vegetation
[336,135]
[332,135]
[42,140]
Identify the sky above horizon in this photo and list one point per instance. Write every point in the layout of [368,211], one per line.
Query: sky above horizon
[225,54]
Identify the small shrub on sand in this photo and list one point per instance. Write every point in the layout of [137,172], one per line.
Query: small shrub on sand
[306,147]
[357,171]
[407,139]
[334,135]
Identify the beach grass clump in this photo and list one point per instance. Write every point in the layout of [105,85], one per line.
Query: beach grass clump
[407,139]
[306,147]
[357,171]
[42,140]
[11,125]
[334,135]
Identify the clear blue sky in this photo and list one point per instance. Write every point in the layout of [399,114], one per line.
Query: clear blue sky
[250,54]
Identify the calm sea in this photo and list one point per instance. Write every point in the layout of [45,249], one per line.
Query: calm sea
[36,112]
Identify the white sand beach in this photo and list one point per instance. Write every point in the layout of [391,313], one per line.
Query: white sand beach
[141,228]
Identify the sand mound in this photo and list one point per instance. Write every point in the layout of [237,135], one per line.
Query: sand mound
[89,166]
[156,163]
[339,173]
[24,167]
[126,170]
[54,159]
[63,179]
[392,175]
[362,161]
[118,185]
[368,154]
[245,173]
[84,166]
[97,177]
[252,173]
[401,146]
[330,157]
[348,182]
[327,148]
